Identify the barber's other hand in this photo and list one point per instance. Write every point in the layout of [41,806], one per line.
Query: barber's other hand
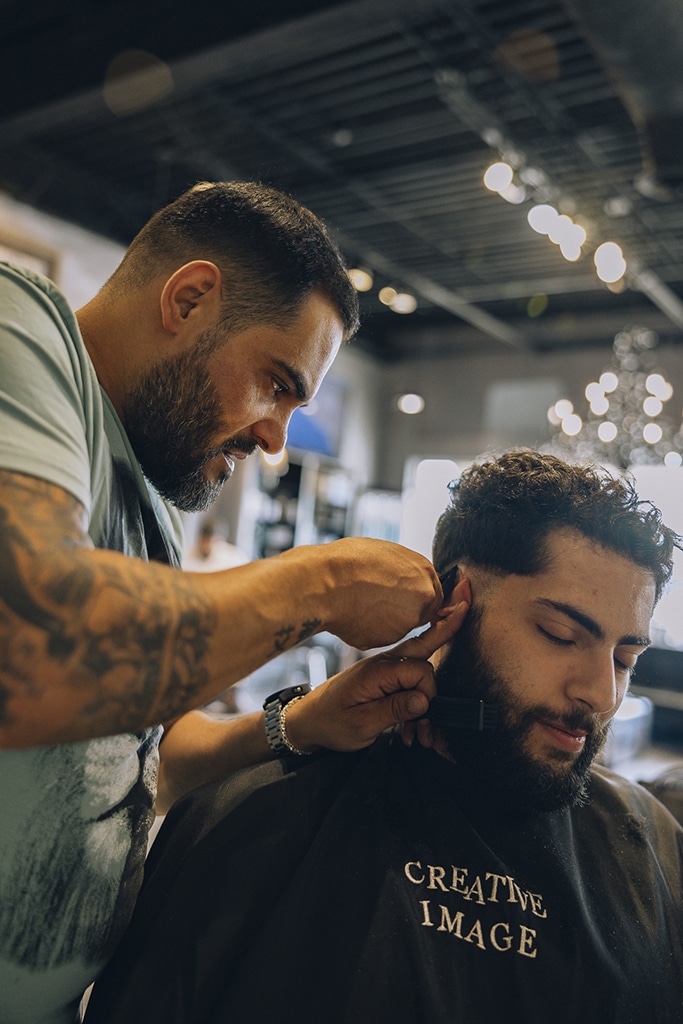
[379,591]
[351,709]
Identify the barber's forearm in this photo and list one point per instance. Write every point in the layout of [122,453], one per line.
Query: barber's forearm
[198,749]
[98,643]
[94,643]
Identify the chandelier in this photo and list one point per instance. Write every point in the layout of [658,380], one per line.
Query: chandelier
[628,421]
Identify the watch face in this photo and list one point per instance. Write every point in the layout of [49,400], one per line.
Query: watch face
[284,696]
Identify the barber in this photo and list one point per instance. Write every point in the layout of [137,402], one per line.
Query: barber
[223,317]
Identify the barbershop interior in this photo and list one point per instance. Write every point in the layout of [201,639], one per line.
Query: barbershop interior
[505,181]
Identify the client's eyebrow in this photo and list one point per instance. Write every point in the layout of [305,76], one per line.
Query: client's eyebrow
[590,625]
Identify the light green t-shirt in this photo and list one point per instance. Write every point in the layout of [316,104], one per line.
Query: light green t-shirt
[73,818]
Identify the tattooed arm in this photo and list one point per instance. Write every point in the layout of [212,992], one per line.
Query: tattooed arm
[93,642]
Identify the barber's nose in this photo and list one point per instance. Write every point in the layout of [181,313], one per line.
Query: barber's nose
[271,434]
[597,685]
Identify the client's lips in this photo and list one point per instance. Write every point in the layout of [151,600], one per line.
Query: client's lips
[567,739]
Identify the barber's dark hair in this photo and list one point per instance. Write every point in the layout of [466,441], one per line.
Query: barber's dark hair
[271,250]
[502,511]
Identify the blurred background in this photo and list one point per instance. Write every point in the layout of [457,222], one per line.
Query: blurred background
[506,181]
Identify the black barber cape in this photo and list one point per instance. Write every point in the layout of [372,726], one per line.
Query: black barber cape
[355,888]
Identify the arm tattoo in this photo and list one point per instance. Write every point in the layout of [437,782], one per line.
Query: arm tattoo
[284,635]
[131,637]
[308,628]
[282,638]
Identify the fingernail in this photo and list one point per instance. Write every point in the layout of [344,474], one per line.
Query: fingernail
[415,704]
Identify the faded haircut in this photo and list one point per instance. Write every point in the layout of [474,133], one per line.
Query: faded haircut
[272,253]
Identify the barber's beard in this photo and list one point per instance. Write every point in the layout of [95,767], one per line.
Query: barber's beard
[497,765]
[172,418]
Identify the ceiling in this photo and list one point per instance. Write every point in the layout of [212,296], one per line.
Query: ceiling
[381,115]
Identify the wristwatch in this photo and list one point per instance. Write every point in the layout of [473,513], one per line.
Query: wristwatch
[274,707]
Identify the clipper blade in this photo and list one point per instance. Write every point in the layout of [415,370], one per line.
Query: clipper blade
[463,713]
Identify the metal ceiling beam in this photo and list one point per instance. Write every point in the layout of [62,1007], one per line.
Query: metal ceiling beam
[447,300]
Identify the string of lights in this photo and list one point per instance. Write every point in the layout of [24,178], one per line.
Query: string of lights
[628,421]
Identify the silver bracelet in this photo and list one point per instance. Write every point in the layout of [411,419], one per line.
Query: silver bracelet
[283,733]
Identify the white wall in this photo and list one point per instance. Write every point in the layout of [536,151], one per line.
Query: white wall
[82,260]
[362,421]
[461,418]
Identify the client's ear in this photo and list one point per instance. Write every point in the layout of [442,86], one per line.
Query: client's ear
[451,615]
[462,590]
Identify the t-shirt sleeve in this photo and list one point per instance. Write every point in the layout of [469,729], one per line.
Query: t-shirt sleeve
[45,385]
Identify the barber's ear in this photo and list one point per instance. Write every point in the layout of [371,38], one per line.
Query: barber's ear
[191,295]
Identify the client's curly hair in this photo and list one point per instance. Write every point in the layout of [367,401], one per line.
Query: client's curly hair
[502,511]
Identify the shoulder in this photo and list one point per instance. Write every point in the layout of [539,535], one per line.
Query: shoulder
[33,293]
[618,796]
[42,330]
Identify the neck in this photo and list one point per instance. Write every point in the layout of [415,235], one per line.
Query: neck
[114,339]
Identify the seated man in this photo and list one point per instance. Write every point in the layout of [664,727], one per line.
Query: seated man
[493,872]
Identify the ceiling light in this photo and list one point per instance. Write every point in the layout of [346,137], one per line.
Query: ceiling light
[652,406]
[403,302]
[609,381]
[533,176]
[410,404]
[561,229]
[387,295]
[512,193]
[571,250]
[571,424]
[618,206]
[659,387]
[609,262]
[361,279]
[599,406]
[607,431]
[542,217]
[498,176]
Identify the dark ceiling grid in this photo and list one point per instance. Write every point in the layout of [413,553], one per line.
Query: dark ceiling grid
[359,190]
[345,107]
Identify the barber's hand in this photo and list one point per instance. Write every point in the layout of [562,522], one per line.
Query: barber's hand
[378,591]
[351,709]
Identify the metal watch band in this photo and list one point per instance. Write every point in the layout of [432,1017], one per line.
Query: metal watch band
[275,708]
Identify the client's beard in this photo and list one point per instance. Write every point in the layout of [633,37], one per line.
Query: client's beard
[495,765]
